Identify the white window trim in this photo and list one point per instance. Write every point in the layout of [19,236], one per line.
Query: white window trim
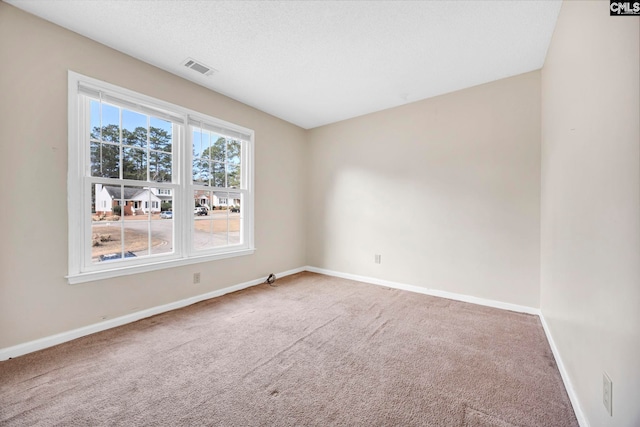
[181,189]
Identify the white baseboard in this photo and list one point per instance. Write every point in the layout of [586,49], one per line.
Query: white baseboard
[580,415]
[582,420]
[50,341]
[426,291]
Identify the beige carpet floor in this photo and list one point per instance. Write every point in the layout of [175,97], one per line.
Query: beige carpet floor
[313,351]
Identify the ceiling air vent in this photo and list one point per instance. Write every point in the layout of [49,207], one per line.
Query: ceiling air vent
[199,67]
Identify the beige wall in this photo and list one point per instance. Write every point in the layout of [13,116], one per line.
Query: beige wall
[447,190]
[35,299]
[590,277]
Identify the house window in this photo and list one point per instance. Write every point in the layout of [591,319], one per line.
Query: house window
[129,150]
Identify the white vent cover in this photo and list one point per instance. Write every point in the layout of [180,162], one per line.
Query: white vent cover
[199,67]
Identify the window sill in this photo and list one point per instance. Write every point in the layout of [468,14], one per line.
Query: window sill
[92,276]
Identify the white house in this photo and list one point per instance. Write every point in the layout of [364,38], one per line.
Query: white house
[219,198]
[226,199]
[135,201]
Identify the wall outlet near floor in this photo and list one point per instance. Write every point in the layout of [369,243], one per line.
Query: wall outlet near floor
[378,259]
[196,278]
[607,389]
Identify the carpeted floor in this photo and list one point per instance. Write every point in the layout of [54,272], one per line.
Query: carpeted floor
[313,351]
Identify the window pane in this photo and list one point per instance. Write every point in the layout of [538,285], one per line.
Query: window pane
[106,225]
[162,222]
[131,215]
[136,233]
[162,235]
[202,198]
[161,135]
[209,233]
[219,175]
[235,219]
[134,163]
[220,233]
[219,148]
[202,233]
[94,119]
[202,224]
[233,176]
[105,160]
[201,172]
[201,141]
[219,199]
[96,161]
[106,241]
[233,152]
[134,129]
[165,202]
[160,167]
[110,123]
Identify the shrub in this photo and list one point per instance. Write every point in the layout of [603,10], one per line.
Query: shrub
[165,206]
[117,210]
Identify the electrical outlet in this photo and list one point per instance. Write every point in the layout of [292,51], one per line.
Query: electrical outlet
[378,259]
[607,396]
[196,278]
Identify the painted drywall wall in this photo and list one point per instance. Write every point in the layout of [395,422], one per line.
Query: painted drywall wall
[446,190]
[590,221]
[35,299]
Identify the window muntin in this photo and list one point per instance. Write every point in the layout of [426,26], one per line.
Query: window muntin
[216,159]
[126,144]
[138,157]
[216,169]
[126,227]
[222,225]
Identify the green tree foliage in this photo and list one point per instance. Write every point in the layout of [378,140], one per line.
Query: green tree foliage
[219,164]
[105,158]
[105,153]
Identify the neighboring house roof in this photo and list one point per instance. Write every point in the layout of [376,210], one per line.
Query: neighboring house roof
[226,195]
[135,193]
[203,194]
[129,193]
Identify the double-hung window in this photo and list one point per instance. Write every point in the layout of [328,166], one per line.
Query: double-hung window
[152,184]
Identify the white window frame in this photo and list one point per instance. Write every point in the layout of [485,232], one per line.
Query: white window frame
[81,269]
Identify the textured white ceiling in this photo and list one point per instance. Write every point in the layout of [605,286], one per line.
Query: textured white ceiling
[318,62]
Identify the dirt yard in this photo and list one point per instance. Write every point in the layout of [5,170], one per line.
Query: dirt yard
[218,225]
[111,240]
